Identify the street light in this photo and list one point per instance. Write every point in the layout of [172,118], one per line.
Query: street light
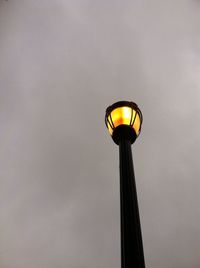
[123,120]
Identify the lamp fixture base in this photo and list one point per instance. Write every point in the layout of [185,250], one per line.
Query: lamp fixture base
[124,132]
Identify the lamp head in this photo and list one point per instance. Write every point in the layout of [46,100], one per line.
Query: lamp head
[123,120]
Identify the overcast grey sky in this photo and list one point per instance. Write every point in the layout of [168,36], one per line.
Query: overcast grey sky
[61,64]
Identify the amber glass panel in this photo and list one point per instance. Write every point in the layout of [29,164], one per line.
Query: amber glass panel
[136,124]
[121,116]
[109,126]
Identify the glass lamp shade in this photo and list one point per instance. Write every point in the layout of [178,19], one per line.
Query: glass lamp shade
[126,114]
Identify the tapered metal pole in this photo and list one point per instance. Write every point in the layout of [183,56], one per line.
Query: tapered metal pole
[132,255]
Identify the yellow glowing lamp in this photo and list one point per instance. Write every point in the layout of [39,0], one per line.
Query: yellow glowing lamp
[123,120]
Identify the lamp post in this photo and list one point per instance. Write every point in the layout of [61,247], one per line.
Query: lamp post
[123,120]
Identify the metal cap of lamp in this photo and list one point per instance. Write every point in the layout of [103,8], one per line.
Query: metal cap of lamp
[123,120]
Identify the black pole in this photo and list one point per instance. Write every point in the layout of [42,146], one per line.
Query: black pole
[132,255]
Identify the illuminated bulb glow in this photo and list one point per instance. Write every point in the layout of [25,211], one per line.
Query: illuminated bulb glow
[124,116]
